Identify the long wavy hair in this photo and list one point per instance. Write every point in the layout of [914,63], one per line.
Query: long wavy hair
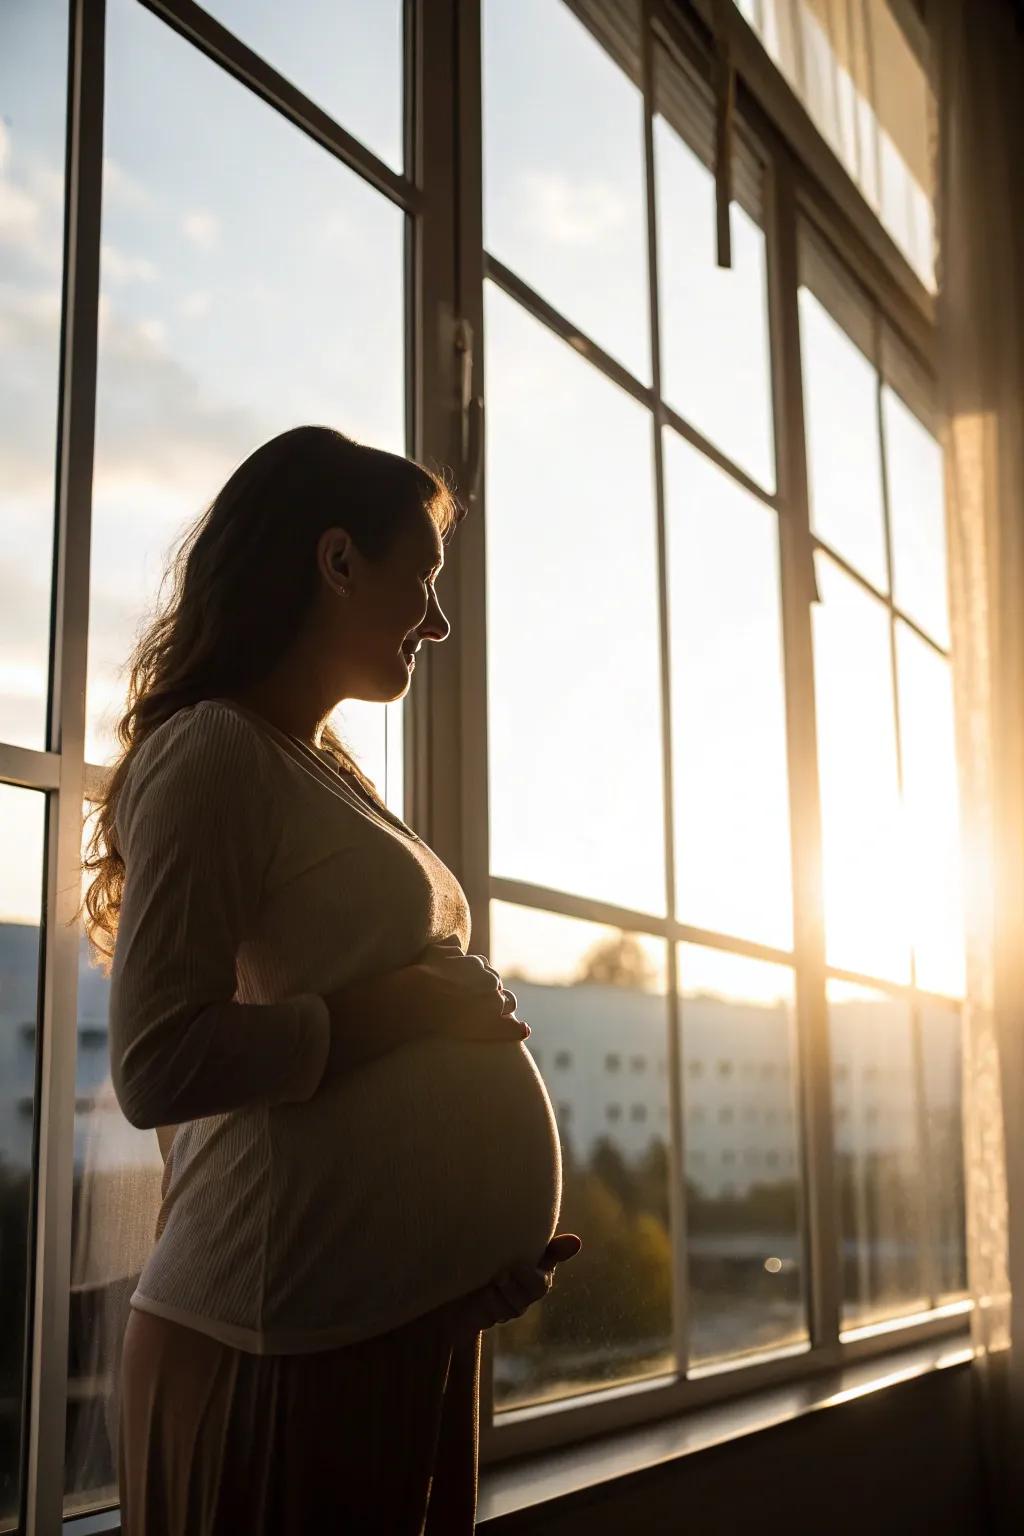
[237,592]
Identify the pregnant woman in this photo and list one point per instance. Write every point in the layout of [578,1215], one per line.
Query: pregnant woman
[362,1167]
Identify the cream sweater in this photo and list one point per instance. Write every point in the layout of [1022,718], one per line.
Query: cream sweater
[299,1214]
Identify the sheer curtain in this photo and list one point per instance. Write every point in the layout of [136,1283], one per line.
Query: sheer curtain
[979,53]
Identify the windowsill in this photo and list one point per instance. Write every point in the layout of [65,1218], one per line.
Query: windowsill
[512,1487]
[532,1481]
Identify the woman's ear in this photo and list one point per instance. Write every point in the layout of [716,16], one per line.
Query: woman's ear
[334,559]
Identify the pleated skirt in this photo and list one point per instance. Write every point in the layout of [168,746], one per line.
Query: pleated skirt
[377,1437]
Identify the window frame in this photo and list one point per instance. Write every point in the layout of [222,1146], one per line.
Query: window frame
[446,739]
[425,192]
[792,193]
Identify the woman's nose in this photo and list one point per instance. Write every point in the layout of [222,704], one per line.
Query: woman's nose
[435,626]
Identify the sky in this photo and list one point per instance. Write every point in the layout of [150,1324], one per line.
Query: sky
[250,288]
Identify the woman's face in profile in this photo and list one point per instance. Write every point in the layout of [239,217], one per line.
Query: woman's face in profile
[389,610]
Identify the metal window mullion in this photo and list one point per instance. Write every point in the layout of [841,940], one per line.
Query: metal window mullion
[246,66]
[798,592]
[450,702]
[698,440]
[926,1213]
[28,769]
[56,1101]
[678,1215]
[530,300]
[590,910]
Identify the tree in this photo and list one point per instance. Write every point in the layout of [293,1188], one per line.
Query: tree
[618,962]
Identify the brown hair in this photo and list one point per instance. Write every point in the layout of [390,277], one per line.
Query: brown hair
[240,586]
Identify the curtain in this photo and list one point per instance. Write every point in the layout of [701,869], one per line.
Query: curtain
[979,58]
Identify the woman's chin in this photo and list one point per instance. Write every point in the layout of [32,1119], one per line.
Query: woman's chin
[387,689]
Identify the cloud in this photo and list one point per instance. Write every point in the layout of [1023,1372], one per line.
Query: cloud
[31,210]
[118,267]
[202,228]
[195,305]
[570,213]
[121,187]
[153,332]
[19,213]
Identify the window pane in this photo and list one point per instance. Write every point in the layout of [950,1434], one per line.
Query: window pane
[374,737]
[573,651]
[33,82]
[343,54]
[594,995]
[564,202]
[917,516]
[878,1157]
[844,460]
[943,1096]
[862,823]
[728,703]
[715,363]
[931,798]
[219,326]
[22,819]
[743,1179]
[117,1176]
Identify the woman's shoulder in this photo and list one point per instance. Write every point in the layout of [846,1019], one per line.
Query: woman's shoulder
[203,748]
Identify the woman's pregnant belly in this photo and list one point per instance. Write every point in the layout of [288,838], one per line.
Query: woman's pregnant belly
[428,1171]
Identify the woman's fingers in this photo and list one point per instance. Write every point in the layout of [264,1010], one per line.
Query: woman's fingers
[509,1002]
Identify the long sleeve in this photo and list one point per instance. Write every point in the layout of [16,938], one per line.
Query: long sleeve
[196,824]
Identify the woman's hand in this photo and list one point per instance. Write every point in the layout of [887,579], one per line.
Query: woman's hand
[444,992]
[510,1293]
[462,996]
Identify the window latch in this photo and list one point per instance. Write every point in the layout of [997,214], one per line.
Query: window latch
[471,413]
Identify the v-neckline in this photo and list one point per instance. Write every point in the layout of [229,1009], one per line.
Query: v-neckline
[336,776]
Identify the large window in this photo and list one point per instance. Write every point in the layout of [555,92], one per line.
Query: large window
[691,747]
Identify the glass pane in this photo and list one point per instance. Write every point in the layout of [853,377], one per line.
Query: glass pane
[22,821]
[862,824]
[343,54]
[715,360]
[219,326]
[116,1201]
[573,653]
[917,516]
[33,83]
[844,460]
[728,703]
[743,1177]
[595,999]
[564,202]
[374,737]
[931,798]
[943,1097]
[878,1156]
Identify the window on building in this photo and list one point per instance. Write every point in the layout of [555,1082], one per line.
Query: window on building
[612,1062]
[862,72]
